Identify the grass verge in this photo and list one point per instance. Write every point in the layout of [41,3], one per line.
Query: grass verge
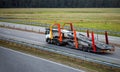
[95,18]
[73,62]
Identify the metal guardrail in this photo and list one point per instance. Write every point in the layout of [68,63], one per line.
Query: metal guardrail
[62,52]
[47,25]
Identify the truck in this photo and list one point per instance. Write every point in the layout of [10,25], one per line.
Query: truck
[72,39]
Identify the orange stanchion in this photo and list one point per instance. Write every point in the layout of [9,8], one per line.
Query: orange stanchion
[71,26]
[75,39]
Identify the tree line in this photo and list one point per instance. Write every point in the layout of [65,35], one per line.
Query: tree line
[59,3]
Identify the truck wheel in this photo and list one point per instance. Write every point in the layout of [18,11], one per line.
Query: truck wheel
[48,41]
[84,49]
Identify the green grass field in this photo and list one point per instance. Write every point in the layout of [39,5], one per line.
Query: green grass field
[96,18]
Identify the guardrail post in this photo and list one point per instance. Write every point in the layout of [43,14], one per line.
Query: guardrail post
[14,26]
[106,37]
[3,25]
[32,28]
[25,27]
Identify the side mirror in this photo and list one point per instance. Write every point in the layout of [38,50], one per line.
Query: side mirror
[45,32]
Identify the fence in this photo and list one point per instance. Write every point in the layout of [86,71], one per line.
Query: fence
[113,33]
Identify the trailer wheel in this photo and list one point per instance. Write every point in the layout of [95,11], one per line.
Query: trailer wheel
[88,50]
[85,50]
[57,43]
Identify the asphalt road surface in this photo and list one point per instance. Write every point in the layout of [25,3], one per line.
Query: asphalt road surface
[14,61]
[112,39]
[40,40]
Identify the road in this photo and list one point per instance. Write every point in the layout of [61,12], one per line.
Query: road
[112,39]
[14,61]
[39,39]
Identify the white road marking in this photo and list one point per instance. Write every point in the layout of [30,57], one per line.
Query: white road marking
[42,59]
[33,41]
[38,42]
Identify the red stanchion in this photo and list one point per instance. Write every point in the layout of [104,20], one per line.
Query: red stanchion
[106,37]
[93,42]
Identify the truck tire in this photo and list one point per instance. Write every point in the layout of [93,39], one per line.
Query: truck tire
[58,43]
[48,41]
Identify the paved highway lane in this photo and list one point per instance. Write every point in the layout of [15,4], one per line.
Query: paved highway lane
[112,39]
[40,40]
[14,61]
